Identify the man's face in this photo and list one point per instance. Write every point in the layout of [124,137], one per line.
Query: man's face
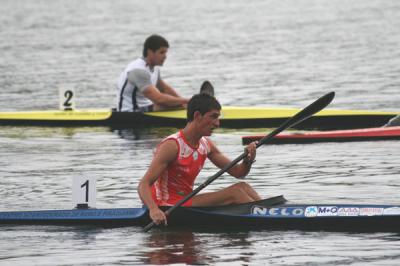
[209,121]
[157,57]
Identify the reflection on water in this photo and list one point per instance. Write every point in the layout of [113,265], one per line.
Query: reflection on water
[167,247]
[21,132]
[156,133]
[181,246]
[130,246]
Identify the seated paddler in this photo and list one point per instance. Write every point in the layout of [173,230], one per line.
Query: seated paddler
[141,87]
[179,158]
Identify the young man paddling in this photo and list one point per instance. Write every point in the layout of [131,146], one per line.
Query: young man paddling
[180,157]
[140,86]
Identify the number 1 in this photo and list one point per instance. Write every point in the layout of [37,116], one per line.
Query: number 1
[86,184]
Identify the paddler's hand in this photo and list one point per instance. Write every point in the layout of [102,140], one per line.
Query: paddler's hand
[251,152]
[185,103]
[158,216]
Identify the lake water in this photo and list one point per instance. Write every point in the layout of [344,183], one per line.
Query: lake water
[256,53]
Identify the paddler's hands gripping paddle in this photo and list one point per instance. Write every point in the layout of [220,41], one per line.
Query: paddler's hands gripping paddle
[313,108]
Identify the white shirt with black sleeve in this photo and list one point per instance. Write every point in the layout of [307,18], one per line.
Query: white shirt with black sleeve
[132,82]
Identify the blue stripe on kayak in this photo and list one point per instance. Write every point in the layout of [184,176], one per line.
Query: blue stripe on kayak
[86,214]
[283,211]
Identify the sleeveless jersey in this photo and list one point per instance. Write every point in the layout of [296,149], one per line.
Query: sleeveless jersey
[177,180]
[130,96]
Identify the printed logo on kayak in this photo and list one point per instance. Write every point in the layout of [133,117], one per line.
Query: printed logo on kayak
[391,211]
[314,211]
[371,211]
[288,211]
[327,211]
[348,211]
[311,211]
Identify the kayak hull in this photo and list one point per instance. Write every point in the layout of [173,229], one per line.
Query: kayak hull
[200,221]
[232,117]
[269,214]
[367,134]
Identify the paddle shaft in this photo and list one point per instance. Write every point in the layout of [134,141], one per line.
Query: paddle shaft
[313,108]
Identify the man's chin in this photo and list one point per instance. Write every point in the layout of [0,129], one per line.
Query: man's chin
[210,132]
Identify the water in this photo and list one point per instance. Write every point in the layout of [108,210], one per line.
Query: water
[264,53]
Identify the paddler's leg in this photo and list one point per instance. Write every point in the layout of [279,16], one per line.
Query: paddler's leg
[235,194]
[166,108]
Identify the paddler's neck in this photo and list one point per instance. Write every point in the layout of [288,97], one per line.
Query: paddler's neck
[191,135]
[149,63]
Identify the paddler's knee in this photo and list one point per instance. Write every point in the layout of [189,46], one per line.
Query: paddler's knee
[241,193]
[242,186]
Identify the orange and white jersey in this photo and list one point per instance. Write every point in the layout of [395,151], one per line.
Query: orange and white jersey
[177,180]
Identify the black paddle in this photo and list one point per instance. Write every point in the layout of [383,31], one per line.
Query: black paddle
[313,108]
[207,88]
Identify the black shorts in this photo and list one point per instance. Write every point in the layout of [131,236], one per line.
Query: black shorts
[148,108]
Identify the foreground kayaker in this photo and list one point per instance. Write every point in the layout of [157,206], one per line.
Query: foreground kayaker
[180,157]
[140,86]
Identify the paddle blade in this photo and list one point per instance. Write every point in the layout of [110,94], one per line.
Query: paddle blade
[310,110]
[207,88]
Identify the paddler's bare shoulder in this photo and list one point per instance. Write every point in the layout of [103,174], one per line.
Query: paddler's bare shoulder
[168,150]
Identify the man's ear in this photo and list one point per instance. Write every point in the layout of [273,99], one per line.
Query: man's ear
[197,115]
[149,53]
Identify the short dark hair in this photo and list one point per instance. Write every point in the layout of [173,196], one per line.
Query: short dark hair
[154,42]
[203,103]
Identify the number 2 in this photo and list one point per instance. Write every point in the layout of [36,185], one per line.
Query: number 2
[68,95]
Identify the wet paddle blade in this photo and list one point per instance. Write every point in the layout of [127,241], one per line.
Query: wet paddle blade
[310,110]
[207,88]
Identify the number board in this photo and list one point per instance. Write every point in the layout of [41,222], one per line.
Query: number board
[84,191]
[67,99]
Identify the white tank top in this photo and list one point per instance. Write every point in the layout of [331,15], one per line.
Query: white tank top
[130,96]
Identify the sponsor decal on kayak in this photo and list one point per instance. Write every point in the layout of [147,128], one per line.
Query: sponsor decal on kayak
[278,212]
[348,211]
[311,211]
[322,211]
[327,211]
[391,211]
[371,211]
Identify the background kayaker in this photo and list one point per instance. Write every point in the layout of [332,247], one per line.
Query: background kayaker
[140,86]
[179,158]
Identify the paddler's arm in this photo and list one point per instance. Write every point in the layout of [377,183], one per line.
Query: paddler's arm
[164,99]
[166,153]
[166,88]
[239,170]
[166,96]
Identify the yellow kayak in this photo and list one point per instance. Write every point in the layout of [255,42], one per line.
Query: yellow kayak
[232,117]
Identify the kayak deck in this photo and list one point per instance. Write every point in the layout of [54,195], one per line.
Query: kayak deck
[232,117]
[366,134]
[271,214]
